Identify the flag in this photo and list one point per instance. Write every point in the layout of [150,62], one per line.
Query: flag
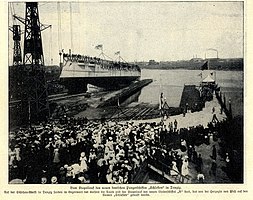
[100,46]
[204,66]
[117,53]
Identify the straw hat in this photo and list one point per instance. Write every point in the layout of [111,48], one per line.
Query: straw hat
[54,180]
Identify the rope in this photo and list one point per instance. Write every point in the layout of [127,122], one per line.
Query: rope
[106,56]
[50,47]
[42,4]
[11,8]
[71,26]
[59,25]
[122,59]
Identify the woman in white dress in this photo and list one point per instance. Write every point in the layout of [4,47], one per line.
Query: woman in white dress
[56,158]
[83,164]
[185,169]
[174,171]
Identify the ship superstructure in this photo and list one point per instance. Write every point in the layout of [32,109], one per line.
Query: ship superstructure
[79,70]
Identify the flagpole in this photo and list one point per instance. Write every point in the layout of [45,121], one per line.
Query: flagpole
[102,51]
[160,96]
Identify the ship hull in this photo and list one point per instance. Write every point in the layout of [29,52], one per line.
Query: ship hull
[74,85]
[79,85]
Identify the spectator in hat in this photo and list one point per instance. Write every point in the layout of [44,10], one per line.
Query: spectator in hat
[214,153]
[200,177]
[185,167]
[199,163]
[83,162]
[174,171]
[54,180]
[213,167]
[103,172]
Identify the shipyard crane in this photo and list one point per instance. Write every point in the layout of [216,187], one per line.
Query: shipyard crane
[15,81]
[23,21]
[17,57]
[16,30]
[35,106]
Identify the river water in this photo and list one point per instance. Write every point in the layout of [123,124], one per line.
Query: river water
[171,83]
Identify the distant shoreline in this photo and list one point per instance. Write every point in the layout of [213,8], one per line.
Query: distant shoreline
[190,69]
[235,64]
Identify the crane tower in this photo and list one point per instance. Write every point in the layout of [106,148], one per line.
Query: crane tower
[17,49]
[35,96]
[14,76]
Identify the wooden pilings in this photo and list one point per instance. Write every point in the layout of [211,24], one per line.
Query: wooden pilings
[223,104]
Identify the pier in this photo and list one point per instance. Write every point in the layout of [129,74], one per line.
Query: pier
[191,99]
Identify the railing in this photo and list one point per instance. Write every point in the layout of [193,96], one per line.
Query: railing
[222,103]
[165,171]
[105,63]
[138,173]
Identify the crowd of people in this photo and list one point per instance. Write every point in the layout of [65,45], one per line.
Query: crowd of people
[178,148]
[108,64]
[80,151]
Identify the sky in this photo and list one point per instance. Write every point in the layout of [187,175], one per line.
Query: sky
[162,31]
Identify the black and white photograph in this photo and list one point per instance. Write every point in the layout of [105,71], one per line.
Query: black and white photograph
[126,92]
